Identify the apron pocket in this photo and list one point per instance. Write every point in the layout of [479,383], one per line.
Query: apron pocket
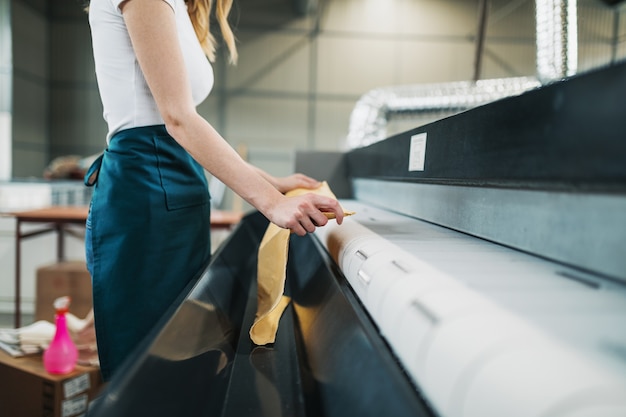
[182,178]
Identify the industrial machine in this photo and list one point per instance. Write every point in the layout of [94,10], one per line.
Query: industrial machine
[483,275]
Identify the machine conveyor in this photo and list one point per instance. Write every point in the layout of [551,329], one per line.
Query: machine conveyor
[488,281]
[328,359]
[483,329]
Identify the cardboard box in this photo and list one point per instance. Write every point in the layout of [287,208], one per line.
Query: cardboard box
[60,279]
[27,390]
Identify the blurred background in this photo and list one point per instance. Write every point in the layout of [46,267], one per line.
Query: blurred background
[303,66]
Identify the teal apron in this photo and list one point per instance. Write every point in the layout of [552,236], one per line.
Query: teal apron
[148,236]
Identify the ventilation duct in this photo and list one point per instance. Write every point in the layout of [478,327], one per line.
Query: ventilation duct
[557,39]
[370,116]
[557,45]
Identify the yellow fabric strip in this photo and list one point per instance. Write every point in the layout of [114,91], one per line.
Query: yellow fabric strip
[271,274]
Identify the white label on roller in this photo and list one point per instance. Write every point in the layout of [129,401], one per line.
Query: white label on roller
[417,153]
[364,277]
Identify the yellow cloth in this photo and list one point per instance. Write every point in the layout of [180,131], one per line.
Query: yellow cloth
[271,272]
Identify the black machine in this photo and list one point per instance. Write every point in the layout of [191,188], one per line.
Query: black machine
[327,360]
[507,255]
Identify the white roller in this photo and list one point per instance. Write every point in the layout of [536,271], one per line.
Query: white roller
[360,254]
[461,343]
[533,379]
[469,355]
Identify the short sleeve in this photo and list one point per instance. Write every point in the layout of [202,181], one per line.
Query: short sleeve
[116,4]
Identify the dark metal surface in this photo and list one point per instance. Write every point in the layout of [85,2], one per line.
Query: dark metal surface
[565,136]
[328,359]
[543,172]
[326,166]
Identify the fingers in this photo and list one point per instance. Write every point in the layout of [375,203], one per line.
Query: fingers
[312,209]
[301,227]
[306,217]
[296,181]
[330,205]
[306,181]
[338,210]
[302,214]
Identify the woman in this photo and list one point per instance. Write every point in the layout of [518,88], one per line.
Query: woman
[148,226]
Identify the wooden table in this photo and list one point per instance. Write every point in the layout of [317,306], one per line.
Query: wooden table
[58,218]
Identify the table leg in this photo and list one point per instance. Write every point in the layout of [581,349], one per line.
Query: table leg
[18,265]
[60,242]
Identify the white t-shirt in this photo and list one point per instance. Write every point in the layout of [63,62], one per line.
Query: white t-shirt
[126,98]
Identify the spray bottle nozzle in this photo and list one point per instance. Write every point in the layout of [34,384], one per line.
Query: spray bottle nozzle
[62,304]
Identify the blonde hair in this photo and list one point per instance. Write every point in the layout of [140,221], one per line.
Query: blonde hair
[199,12]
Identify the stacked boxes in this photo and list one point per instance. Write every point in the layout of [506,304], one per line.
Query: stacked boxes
[69,278]
[27,390]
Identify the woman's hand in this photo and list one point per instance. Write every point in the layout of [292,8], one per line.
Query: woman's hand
[302,214]
[284,184]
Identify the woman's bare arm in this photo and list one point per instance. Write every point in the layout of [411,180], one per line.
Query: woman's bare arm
[152,28]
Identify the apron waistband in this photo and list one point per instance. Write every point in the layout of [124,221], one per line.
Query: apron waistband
[91,177]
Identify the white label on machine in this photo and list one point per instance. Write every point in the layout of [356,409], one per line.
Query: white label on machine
[417,153]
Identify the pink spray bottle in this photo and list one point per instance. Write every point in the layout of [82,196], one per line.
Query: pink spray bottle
[61,355]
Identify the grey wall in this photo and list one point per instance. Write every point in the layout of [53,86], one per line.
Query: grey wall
[6,86]
[298,77]
[31,91]
[56,108]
